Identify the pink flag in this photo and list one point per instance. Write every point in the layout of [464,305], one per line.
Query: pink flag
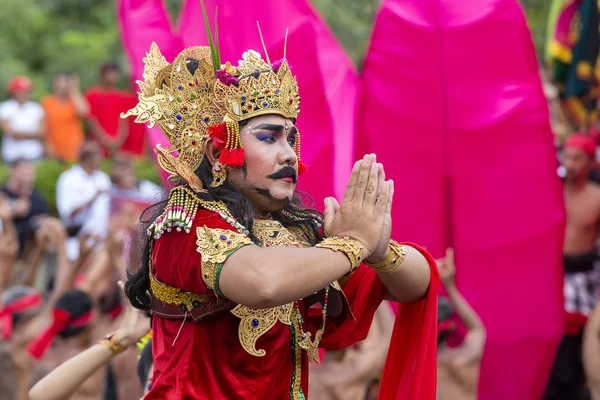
[452,104]
[142,22]
[327,79]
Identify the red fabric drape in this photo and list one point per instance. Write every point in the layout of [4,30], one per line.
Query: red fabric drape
[410,368]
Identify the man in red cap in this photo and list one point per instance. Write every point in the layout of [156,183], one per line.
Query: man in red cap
[582,204]
[22,122]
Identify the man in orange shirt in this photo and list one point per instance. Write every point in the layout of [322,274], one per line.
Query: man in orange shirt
[65,110]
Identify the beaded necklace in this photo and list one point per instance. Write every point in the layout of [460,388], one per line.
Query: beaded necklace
[181,210]
[312,346]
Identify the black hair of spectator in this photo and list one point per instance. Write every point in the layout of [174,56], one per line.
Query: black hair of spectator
[445,309]
[15,293]
[110,300]
[445,312]
[109,66]
[145,363]
[88,150]
[77,304]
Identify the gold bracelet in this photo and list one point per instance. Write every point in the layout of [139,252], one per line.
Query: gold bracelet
[350,247]
[393,260]
[113,344]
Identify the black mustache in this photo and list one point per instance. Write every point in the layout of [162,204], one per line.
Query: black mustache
[285,172]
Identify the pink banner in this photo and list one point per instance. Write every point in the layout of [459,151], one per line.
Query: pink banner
[451,102]
[142,22]
[328,81]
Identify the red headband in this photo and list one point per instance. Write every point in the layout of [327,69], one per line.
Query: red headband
[20,305]
[62,320]
[445,326]
[581,142]
[115,311]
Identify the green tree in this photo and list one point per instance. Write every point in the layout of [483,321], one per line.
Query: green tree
[42,37]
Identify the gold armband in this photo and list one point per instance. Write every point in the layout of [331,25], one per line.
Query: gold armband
[113,345]
[350,247]
[393,260]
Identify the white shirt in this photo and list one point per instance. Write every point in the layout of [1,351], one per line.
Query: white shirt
[144,191]
[24,118]
[74,188]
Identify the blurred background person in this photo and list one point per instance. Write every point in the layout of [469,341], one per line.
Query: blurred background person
[591,354]
[458,367]
[353,373]
[582,205]
[26,203]
[68,379]
[18,306]
[23,123]
[9,244]
[82,198]
[65,108]
[107,102]
[126,183]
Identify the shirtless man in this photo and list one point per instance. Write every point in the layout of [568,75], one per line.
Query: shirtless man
[345,374]
[582,203]
[458,367]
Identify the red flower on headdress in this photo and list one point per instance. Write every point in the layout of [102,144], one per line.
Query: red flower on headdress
[219,134]
[226,77]
[277,64]
[302,168]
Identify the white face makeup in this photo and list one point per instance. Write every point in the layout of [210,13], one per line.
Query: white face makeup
[270,179]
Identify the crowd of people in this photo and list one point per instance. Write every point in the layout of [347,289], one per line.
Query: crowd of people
[59,268]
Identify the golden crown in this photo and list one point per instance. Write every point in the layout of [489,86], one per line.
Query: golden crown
[190,95]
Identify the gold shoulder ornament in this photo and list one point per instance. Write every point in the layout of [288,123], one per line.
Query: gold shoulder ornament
[214,246]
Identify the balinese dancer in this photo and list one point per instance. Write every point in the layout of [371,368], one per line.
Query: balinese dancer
[245,284]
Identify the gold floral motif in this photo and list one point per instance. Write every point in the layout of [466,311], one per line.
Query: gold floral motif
[172,295]
[311,346]
[393,261]
[272,233]
[256,322]
[215,245]
[350,247]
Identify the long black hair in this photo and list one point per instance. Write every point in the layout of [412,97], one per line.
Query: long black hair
[296,214]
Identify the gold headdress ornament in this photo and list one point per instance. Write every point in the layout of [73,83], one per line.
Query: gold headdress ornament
[195,98]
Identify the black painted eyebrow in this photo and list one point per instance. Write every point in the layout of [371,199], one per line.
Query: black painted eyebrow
[268,127]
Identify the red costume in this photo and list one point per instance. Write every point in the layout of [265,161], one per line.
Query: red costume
[205,360]
[205,346]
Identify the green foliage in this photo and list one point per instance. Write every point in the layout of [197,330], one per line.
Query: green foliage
[42,37]
[49,170]
[537,17]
